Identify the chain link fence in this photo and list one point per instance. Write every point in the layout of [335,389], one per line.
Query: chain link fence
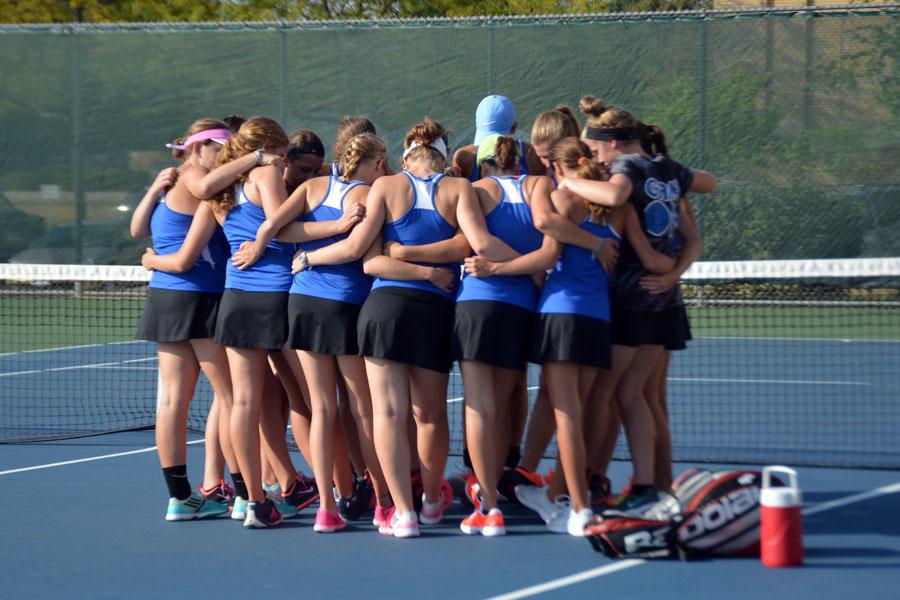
[795,110]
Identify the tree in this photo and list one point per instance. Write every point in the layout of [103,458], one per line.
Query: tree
[140,11]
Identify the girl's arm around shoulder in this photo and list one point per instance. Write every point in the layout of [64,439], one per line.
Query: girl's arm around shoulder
[549,221]
[703,182]
[612,193]
[208,184]
[294,231]
[362,236]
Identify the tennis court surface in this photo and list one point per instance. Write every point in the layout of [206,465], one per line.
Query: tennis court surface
[793,362]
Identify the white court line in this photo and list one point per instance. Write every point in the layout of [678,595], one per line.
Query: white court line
[793,339]
[461,398]
[2,354]
[571,579]
[768,381]
[76,367]
[555,584]
[823,506]
[88,459]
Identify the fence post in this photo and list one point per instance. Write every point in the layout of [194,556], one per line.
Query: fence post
[701,93]
[770,59]
[491,57]
[77,160]
[808,67]
[701,133]
[283,79]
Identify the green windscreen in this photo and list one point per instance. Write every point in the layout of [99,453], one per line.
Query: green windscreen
[796,113]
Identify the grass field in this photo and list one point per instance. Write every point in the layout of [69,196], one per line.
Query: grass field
[33,323]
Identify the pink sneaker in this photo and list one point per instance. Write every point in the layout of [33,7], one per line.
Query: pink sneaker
[328,521]
[383,517]
[404,526]
[384,528]
[433,512]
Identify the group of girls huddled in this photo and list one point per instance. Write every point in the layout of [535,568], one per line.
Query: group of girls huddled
[328,295]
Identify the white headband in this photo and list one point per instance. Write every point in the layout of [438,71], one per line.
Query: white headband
[438,145]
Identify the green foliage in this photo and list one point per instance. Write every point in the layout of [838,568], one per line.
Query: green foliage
[109,11]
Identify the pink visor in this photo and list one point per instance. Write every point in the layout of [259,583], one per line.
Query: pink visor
[216,135]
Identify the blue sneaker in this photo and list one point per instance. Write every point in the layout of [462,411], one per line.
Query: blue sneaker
[193,507]
[287,510]
[239,510]
[261,515]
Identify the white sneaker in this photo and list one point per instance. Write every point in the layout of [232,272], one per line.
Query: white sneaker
[536,499]
[578,520]
[559,522]
[404,526]
[432,513]
[667,508]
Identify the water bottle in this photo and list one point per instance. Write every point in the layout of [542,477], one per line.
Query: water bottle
[781,525]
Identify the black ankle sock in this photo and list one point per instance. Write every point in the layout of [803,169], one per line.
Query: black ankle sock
[513,457]
[467,460]
[641,488]
[240,488]
[177,481]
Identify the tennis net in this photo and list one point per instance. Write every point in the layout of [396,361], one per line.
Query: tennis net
[792,361]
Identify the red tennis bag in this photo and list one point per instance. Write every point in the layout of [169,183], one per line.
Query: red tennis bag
[717,514]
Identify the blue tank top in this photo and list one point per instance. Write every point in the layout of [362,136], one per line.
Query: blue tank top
[168,229]
[335,171]
[272,272]
[346,282]
[511,222]
[578,285]
[523,164]
[422,224]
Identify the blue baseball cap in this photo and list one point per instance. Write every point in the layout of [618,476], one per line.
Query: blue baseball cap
[495,114]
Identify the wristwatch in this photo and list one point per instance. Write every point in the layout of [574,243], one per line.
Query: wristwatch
[304,261]
[259,157]
[599,249]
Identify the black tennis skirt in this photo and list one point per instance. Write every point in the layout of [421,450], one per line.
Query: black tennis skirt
[178,316]
[252,320]
[579,339]
[409,326]
[322,326]
[495,333]
[669,328]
